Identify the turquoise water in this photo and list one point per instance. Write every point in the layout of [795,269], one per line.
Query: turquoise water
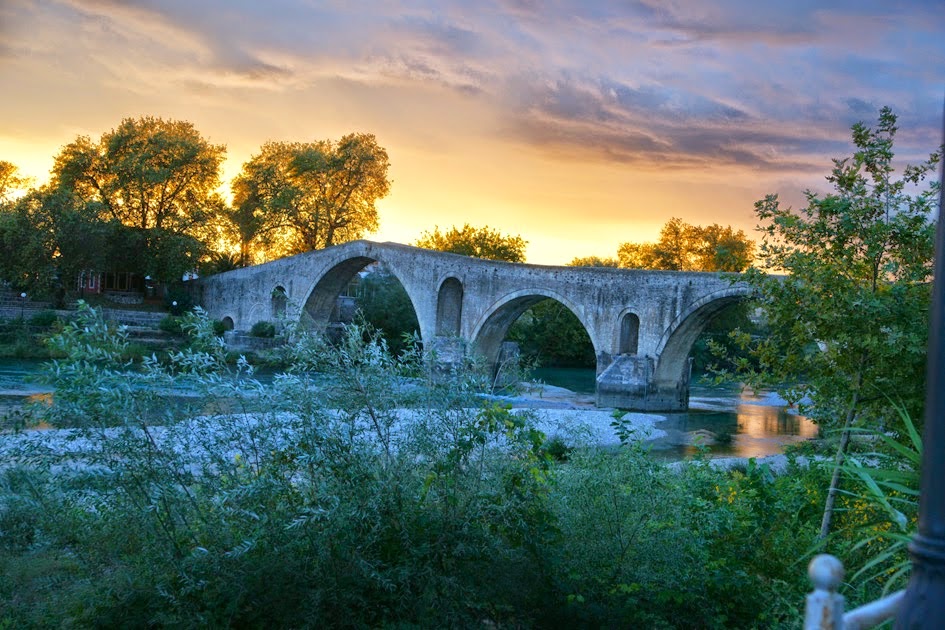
[579,380]
[19,375]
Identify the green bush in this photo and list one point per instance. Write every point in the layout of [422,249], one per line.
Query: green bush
[178,300]
[263,329]
[172,324]
[317,500]
[219,327]
[384,303]
[44,319]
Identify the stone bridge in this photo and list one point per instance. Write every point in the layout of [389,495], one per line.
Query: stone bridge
[642,324]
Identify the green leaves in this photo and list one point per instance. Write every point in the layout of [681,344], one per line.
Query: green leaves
[298,197]
[478,242]
[685,247]
[853,299]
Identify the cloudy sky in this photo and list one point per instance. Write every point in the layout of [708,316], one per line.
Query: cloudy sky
[576,124]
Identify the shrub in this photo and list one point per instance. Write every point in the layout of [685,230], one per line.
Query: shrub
[178,300]
[263,329]
[44,319]
[344,493]
[172,324]
[276,504]
[219,327]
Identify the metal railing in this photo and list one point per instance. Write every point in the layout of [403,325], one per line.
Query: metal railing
[825,607]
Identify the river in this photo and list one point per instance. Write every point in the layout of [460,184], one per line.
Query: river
[724,419]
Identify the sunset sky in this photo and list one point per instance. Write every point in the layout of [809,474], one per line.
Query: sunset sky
[577,125]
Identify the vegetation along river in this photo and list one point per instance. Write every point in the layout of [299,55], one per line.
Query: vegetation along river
[728,421]
[724,419]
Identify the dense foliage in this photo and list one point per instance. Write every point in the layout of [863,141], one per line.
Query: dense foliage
[848,321]
[550,335]
[849,317]
[297,197]
[683,247]
[385,305]
[478,242]
[355,491]
[143,199]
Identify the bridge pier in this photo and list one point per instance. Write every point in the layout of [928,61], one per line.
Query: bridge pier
[629,382]
[447,353]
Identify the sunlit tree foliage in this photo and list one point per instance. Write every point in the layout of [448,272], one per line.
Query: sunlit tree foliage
[294,197]
[478,242]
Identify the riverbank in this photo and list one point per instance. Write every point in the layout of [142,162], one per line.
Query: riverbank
[725,424]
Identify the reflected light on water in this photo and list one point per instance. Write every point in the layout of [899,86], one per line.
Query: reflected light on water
[765,430]
[761,421]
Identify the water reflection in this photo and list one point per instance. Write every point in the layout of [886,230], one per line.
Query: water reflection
[733,423]
[726,420]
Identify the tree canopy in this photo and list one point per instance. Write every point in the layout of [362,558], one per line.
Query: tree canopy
[849,322]
[593,261]
[146,173]
[478,242]
[686,247]
[858,267]
[145,193]
[10,181]
[297,197]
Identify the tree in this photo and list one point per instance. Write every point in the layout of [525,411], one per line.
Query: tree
[49,236]
[849,320]
[477,242]
[550,335]
[384,303]
[594,261]
[10,181]
[723,249]
[156,178]
[25,261]
[298,197]
[147,173]
[685,247]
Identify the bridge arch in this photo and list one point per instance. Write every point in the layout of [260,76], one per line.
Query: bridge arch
[674,346]
[280,302]
[490,330]
[321,298]
[449,307]
[628,341]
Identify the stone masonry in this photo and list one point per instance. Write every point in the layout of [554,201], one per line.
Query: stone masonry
[642,323]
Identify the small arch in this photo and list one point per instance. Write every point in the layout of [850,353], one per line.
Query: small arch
[449,308]
[280,301]
[228,323]
[629,334]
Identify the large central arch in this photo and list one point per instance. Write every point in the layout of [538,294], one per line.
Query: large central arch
[317,309]
[492,327]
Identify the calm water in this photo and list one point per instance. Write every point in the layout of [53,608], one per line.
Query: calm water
[723,418]
[16,386]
